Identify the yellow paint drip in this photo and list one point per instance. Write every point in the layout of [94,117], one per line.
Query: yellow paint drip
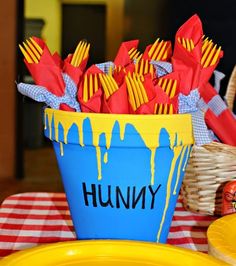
[61,149]
[147,126]
[45,117]
[185,164]
[105,158]
[122,129]
[98,153]
[177,151]
[153,153]
[179,168]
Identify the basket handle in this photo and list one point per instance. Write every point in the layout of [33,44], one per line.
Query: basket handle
[231,90]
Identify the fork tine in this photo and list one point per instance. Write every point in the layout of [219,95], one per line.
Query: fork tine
[135,91]
[146,67]
[162,51]
[26,55]
[205,54]
[165,111]
[131,50]
[152,49]
[34,50]
[27,48]
[169,83]
[85,89]
[136,55]
[131,55]
[91,89]
[163,85]
[130,92]
[173,89]
[143,91]
[104,86]
[80,53]
[188,44]
[151,69]
[157,50]
[86,53]
[115,86]
[73,60]
[208,60]
[160,108]
[184,43]
[109,84]
[141,67]
[206,43]
[171,110]
[40,50]
[216,56]
[160,81]
[191,44]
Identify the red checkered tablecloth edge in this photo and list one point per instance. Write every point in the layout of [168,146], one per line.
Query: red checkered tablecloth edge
[30,219]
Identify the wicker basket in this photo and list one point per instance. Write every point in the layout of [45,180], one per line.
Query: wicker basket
[210,167]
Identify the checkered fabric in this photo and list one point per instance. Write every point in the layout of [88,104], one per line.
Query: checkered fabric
[41,94]
[162,68]
[217,105]
[30,219]
[189,104]
[218,76]
[105,67]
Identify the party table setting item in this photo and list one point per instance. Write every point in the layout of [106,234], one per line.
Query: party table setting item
[123,131]
[108,252]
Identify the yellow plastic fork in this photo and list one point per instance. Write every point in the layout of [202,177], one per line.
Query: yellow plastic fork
[31,51]
[134,53]
[136,91]
[143,67]
[186,43]
[169,86]
[90,86]
[109,85]
[209,53]
[81,52]
[159,50]
[163,109]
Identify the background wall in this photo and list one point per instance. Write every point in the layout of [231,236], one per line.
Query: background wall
[50,12]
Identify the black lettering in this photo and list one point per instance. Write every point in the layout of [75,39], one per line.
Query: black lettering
[119,196]
[93,194]
[153,193]
[108,202]
[140,195]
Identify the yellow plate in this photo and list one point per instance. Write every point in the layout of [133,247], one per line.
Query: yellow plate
[103,252]
[221,236]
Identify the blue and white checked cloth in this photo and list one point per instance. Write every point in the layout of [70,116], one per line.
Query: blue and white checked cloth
[218,76]
[41,94]
[105,67]
[190,104]
[162,68]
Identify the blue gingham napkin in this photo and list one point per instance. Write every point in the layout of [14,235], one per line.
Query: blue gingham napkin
[41,94]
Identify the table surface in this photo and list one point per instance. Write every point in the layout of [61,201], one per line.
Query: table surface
[30,219]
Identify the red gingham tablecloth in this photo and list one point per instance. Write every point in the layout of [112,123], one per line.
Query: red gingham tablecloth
[30,219]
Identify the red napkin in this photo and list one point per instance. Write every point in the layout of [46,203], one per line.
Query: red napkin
[187,63]
[223,125]
[47,73]
[122,58]
[93,105]
[117,103]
